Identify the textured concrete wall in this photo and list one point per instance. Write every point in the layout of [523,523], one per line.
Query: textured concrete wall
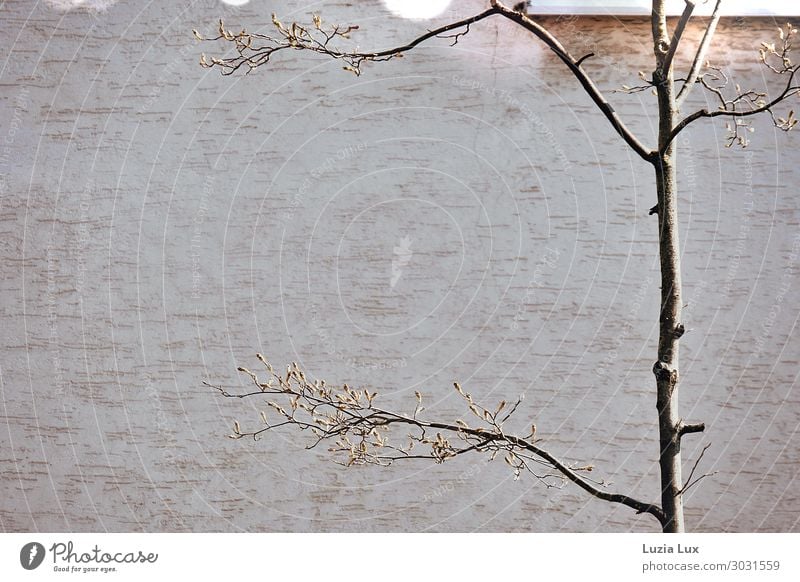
[470,216]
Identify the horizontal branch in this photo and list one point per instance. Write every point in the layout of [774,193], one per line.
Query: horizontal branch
[359,430]
[320,40]
[789,91]
[745,103]
[684,429]
[639,506]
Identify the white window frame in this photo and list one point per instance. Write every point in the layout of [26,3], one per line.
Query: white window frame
[674,7]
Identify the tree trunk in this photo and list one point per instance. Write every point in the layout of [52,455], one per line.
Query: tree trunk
[670,327]
[670,330]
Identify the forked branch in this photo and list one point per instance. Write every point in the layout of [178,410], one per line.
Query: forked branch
[691,481]
[359,432]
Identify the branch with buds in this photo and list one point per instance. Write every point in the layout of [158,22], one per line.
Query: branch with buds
[359,432]
[255,49]
[741,104]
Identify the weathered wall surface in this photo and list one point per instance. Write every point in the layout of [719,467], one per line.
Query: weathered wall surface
[472,218]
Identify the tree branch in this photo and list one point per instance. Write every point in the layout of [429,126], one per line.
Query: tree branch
[254,50]
[684,429]
[360,431]
[579,62]
[676,36]
[789,91]
[699,57]
[689,481]
[575,67]
[744,104]
[639,506]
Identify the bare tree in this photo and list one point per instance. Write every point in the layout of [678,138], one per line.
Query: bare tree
[359,430]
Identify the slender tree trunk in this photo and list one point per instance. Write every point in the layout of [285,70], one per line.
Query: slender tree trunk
[670,327]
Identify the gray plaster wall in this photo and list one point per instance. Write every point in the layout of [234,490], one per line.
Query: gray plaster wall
[463,213]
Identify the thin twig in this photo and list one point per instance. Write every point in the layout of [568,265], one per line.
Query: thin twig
[689,481]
